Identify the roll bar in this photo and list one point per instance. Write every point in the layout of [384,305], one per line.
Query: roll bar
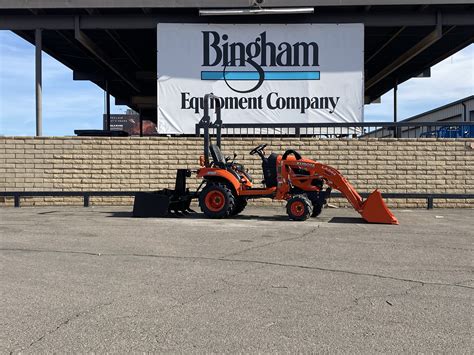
[206,123]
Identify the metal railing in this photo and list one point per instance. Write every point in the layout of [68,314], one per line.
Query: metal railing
[86,195]
[348,130]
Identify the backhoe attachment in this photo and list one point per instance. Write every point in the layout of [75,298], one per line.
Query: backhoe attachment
[165,202]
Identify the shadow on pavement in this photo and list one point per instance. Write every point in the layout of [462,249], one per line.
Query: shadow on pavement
[352,220]
[119,214]
[125,214]
[262,218]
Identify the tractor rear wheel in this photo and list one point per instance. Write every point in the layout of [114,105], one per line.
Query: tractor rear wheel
[299,208]
[217,201]
[240,204]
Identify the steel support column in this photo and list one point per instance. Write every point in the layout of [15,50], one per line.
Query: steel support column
[107,105]
[397,131]
[39,81]
[395,91]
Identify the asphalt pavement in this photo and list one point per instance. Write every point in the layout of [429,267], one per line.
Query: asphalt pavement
[77,279]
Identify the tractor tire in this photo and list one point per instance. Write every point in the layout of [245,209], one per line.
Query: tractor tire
[240,204]
[217,201]
[299,208]
[317,209]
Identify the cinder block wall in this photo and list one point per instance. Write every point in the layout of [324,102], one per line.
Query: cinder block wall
[404,165]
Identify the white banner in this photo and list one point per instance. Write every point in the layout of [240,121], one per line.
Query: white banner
[268,73]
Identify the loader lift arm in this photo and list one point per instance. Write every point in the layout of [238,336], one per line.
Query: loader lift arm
[336,180]
[373,209]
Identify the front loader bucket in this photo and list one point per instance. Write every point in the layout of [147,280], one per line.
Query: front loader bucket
[374,210]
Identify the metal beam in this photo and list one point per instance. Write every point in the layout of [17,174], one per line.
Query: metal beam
[115,37]
[425,73]
[76,46]
[133,58]
[82,76]
[27,36]
[143,100]
[426,42]
[402,77]
[395,35]
[71,42]
[121,102]
[371,19]
[449,53]
[96,77]
[423,7]
[146,75]
[68,4]
[82,38]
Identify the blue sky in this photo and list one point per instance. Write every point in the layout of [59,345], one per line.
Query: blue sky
[69,105]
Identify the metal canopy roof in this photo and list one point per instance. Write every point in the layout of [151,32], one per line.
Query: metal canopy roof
[100,40]
[64,4]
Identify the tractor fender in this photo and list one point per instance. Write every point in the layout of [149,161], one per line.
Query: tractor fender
[219,175]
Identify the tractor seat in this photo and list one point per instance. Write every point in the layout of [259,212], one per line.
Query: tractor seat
[217,157]
[269,167]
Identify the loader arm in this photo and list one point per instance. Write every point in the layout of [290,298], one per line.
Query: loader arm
[336,180]
[373,209]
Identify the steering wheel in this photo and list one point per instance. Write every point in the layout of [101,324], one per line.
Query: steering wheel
[257,149]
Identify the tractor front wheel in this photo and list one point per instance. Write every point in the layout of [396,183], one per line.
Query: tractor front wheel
[317,209]
[240,204]
[217,201]
[299,208]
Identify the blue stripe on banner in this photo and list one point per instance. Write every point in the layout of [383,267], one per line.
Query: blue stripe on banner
[273,75]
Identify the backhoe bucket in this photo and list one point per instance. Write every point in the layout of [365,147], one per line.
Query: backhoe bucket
[161,204]
[374,210]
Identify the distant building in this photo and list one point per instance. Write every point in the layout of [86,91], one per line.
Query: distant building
[457,111]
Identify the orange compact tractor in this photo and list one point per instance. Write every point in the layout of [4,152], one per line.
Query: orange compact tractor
[305,184]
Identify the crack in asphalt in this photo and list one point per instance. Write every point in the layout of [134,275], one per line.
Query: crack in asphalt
[271,243]
[464,281]
[356,300]
[198,297]
[63,323]
[340,239]
[404,293]
[261,262]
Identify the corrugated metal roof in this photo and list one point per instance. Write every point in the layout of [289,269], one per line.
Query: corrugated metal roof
[445,112]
